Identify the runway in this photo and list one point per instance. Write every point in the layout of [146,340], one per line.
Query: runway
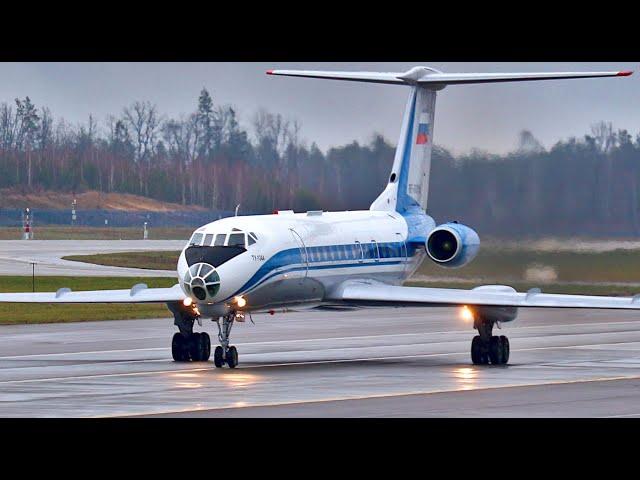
[16,257]
[370,363]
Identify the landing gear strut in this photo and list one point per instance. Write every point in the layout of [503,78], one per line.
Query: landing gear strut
[225,353]
[487,347]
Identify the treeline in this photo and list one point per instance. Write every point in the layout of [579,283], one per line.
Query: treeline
[580,186]
[205,158]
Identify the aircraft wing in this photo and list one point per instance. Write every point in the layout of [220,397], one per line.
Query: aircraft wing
[375,293]
[137,294]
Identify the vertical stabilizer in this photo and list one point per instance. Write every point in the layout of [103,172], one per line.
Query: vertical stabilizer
[408,185]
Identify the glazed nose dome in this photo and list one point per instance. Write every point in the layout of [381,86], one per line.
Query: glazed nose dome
[202,282]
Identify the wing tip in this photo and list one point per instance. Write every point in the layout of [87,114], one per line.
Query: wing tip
[269,72]
[626,73]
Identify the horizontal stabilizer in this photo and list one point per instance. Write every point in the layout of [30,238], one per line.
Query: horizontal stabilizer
[428,76]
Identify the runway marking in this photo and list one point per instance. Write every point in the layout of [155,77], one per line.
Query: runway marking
[325,339]
[270,365]
[14,357]
[375,396]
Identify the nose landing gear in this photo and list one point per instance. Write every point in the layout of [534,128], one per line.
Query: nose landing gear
[225,353]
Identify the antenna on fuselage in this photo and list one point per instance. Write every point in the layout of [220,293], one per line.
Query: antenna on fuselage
[237,207]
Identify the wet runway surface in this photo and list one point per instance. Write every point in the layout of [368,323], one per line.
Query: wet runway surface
[16,257]
[379,363]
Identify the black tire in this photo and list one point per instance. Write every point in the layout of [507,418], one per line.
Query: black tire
[178,348]
[232,357]
[197,347]
[495,350]
[218,357]
[506,349]
[206,347]
[476,350]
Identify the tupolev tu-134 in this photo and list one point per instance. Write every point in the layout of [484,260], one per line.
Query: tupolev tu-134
[342,260]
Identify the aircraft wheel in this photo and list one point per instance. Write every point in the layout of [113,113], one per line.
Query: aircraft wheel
[496,350]
[178,350]
[476,350]
[206,346]
[504,342]
[232,357]
[197,347]
[218,357]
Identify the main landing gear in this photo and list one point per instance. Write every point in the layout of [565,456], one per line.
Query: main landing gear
[187,345]
[487,347]
[196,347]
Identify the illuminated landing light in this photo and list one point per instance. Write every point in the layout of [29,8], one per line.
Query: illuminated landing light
[240,302]
[466,314]
[187,302]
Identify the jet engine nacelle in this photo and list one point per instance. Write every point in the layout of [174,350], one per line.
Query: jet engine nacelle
[452,245]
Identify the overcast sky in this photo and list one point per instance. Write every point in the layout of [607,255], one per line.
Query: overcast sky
[488,117]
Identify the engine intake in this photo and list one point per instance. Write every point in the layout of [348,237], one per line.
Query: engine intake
[452,245]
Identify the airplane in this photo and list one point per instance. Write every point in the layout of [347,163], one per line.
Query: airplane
[289,261]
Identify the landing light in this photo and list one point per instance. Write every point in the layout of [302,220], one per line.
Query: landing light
[240,301]
[466,314]
[187,302]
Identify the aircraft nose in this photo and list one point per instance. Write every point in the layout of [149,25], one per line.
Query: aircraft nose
[202,282]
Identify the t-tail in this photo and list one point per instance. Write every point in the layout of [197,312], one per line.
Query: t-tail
[408,184]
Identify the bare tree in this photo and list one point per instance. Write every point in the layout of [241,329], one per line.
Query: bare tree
[144,121]
[182,137]
[604,136]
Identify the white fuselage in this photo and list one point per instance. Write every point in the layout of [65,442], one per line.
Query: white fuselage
[296,259]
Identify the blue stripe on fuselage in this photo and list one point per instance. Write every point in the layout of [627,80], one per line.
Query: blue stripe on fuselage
[292,258]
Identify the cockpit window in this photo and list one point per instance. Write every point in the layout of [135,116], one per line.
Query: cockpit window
[208,238]
[196,239]
[236,240]
[220,240]
[250,240]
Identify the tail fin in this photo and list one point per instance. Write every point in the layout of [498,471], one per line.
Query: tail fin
[408,186]
[409,179]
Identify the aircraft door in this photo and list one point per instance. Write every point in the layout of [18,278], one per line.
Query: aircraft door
[304,254]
